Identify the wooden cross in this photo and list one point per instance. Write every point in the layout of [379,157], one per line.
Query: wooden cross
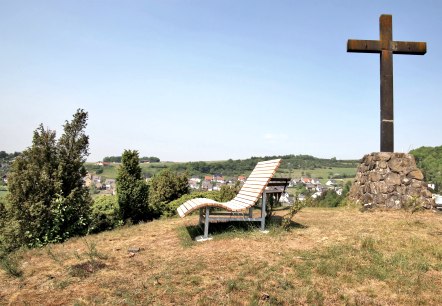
[386,47]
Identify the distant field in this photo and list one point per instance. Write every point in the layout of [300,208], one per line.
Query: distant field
[322,174]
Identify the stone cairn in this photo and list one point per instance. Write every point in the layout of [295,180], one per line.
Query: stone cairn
[390,180]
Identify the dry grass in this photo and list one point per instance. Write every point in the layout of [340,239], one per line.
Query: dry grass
[331,256]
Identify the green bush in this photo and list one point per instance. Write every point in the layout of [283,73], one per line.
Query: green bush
[227,193]
[105,214]
[165,187]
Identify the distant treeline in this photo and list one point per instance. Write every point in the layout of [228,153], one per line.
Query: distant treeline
[429,160]
[117,159]
[243,167]
[5,162]
[8,156]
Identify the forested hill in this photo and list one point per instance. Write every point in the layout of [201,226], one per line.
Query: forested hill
[429,160]
[235,167]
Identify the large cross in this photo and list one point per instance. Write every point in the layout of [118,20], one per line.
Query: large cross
[386,47]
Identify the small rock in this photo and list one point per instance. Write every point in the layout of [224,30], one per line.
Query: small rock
[416,174]
[131,254]
[133,250]
[265,297]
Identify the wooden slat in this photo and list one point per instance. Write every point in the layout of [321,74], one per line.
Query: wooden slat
[183,208]
[245,201]
[270,161]
[240,204]
[253,188]
[250,194]
[250,191]
[187,205]
[181,212]
[265,167]
[253,183]
[270,169]
[268,165]
[247,197]
[262,180]
[234,205]
[194,203]
[198,201]
[260,176]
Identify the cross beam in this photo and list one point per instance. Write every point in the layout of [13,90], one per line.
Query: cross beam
[386,47]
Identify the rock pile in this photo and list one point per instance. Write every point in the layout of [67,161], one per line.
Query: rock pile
[390,180]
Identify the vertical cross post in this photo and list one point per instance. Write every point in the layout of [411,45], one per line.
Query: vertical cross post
[386,47]
[387,128]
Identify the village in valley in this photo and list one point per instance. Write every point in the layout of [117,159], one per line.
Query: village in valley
[310,186]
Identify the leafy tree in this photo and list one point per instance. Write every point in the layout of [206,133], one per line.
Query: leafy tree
[165,187]
[429,160]
[132,191]
[47,197]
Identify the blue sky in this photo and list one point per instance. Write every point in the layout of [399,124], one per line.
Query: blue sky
[211,80]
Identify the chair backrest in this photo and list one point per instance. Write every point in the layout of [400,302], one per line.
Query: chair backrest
[257,182]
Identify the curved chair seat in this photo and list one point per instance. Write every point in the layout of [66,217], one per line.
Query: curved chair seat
[247,197]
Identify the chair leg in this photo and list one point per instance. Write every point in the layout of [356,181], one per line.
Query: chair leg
[206,224]
[263,211]
[201,216]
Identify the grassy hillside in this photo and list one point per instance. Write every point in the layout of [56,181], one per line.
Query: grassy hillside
[330,257]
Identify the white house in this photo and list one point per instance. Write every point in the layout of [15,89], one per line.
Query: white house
[331,183]
[315,181]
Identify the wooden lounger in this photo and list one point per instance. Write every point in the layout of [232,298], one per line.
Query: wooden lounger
[250,193]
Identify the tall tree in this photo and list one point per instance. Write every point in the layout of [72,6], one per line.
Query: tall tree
[132,191]
[47,197]
[75,200]
[33,185]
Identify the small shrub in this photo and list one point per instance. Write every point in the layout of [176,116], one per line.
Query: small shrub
[227,193]
[287,218]
[90,266]
[105,214]
[413,204]
[10,264]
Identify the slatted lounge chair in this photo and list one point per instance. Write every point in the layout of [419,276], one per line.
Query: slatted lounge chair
[241,207]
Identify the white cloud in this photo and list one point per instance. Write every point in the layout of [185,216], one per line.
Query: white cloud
[275,137]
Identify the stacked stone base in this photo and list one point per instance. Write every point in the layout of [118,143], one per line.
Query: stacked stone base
[390,180]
